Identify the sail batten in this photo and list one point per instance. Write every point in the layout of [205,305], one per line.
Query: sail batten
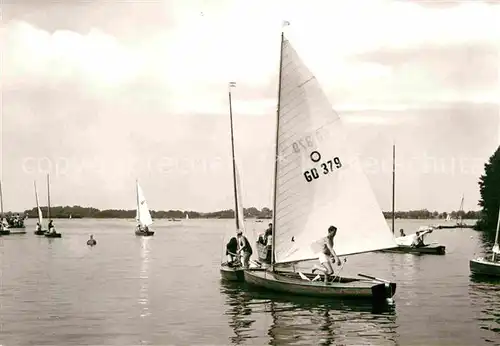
[319,180]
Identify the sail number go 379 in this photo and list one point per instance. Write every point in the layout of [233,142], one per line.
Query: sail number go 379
[326,167]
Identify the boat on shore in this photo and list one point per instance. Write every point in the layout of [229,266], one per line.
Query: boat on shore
[318,183]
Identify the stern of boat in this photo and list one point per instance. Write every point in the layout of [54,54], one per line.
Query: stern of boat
[383,291]
[232,273]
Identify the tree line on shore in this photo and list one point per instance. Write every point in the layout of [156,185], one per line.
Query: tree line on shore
[76,211]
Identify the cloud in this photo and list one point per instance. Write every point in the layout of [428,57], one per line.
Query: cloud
[143,94]
[206,46]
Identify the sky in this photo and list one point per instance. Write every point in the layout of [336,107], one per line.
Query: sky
[99,93]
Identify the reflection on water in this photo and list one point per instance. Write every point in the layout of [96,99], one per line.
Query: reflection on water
[484,294]
[144,277]
[239,311]
[303,320]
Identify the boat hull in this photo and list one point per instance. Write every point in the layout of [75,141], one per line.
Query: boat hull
[4,232]
[290,282]
[18,231]
[39,232]
[482,266]
[429,249]
[53,235]
[232,273]
[454,226]
[144,233]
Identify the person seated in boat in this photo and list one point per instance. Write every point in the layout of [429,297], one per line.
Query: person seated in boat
[265,238]
[231,249]
[327,256]
[91,241]
[244,248]
[38,227]
[402,233]
[418,241]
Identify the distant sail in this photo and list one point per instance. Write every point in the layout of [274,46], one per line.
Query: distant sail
[142,215]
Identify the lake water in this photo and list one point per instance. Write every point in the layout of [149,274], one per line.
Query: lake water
[166,289]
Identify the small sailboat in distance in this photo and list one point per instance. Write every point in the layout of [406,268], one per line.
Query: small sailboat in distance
[51,233]
[318,183]
[39,227]
[143,216]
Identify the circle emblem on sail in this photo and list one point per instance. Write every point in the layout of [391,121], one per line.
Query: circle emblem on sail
[315,156]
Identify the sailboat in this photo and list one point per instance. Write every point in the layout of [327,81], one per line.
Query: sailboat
[143,216]
[51,233]
[318,182]
[12,225]
[406,242]
[41,231]
[234,271]
[484,266]
[4,226]
[187,216]
[459,221]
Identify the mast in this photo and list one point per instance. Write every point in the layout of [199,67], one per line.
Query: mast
[37,204]
[460,210]
[36,194]
[236,217]
[393,183]
[48,197]
[273,243]
[496,237]
[137,200]
[1,202]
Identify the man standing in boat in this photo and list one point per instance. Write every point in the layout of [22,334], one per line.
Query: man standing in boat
[231,249]
[51,227]
[327,255]
[245,250]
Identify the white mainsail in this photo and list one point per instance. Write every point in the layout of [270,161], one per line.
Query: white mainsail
[142,215]
[319,180]
[40,214]
[241,223]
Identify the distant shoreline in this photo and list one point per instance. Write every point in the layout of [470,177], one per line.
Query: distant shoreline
[78,212]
